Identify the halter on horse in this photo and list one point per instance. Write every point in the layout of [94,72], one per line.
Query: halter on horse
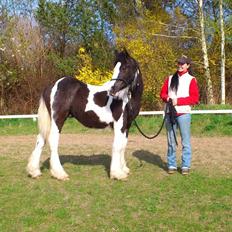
[94,107]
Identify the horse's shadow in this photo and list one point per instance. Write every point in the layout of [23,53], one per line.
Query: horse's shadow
[99,159]
[105,160]
[149,157]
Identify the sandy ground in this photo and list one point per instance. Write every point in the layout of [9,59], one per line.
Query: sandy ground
[212,154]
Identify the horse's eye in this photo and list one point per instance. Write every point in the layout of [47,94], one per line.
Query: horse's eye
[125,67]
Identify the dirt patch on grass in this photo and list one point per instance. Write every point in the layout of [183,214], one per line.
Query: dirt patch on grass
[212,154]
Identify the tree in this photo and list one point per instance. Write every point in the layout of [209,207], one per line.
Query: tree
[40,43]
[21,52]
[55,23]
[222,53]
[70,24]
[137,32]
[210,97]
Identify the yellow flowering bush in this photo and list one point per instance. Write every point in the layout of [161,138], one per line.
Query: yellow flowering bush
[90,75]
[154,55]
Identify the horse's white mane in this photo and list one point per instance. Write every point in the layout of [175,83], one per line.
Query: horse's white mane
[107,85]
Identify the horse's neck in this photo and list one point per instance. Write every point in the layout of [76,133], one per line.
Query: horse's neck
[108,84]
[99,88]
[137,91]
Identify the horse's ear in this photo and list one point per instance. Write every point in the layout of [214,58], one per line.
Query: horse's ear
[126,52]
[116,52]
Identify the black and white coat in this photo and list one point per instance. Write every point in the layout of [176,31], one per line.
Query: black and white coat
[115,104]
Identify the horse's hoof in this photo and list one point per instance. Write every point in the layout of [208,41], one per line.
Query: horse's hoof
[64,178]
[118,176]
[126,170]
[34,173]
[35,176]
[60,176]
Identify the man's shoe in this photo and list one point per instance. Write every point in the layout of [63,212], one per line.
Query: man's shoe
[185,171]
[171,170]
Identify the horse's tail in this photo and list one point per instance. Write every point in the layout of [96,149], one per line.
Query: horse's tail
[44,119]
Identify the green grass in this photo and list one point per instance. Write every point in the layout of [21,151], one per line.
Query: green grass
[149,201]
[212,107]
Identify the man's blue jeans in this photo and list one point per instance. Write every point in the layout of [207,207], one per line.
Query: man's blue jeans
[183,122]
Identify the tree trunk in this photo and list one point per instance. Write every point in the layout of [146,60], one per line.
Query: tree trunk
[210,97]
[2,98]
[222,54]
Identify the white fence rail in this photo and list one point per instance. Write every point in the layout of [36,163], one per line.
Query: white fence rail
[34,116]
[192,112]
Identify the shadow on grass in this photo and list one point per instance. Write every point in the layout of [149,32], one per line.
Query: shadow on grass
[104,159]
[101,159]
[149,157]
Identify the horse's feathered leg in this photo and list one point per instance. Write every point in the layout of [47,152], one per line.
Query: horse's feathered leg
[118,169]
[57,170]
[58,116]
[33,167]
[123,162]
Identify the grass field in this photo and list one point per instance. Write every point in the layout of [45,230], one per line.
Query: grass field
[150,200]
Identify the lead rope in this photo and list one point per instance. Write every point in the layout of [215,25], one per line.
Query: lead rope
[172,112]
[154,136]
[170,106]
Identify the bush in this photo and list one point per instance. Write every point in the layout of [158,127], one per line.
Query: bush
[90,75]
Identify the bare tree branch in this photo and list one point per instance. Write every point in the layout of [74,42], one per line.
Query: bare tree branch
[177,36]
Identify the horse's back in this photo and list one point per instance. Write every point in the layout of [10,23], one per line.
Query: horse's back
[60,95]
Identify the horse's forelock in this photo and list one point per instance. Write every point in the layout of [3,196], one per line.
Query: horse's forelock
[122,57]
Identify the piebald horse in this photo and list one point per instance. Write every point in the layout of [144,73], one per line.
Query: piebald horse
[116,103]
